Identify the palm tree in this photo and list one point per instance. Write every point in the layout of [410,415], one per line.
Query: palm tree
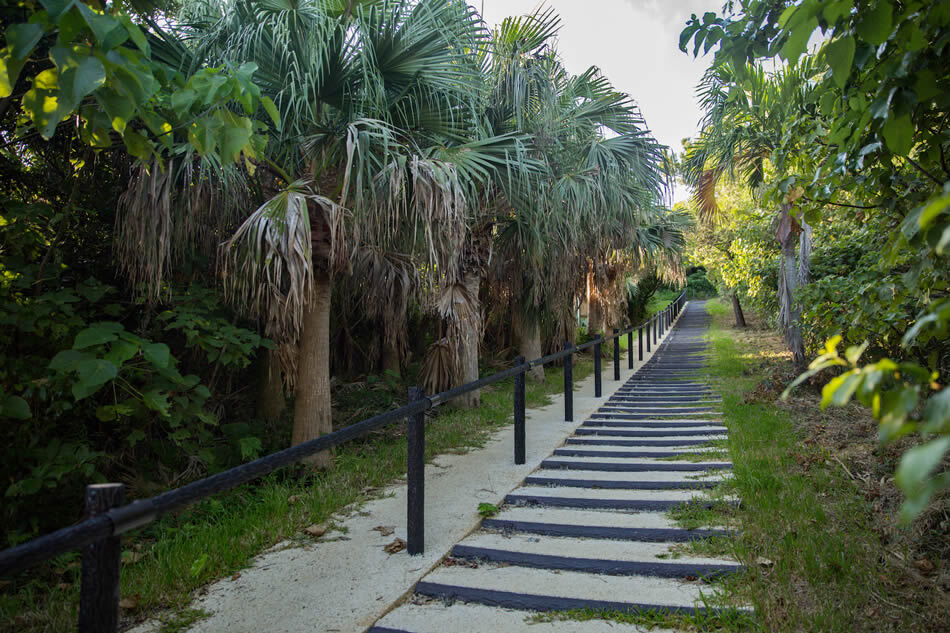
[601,174]
[375,103]
[746,118]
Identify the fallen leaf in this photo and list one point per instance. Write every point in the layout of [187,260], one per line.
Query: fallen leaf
[763,561]
[396,546]
[925,566]
[128,603]
[64,585]
[385,530]
[236,576]
[293,499]
[4,584]
[316,530]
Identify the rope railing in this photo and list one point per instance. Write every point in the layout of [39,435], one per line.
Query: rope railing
[108,518]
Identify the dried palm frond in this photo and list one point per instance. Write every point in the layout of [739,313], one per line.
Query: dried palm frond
[439,367]
[457,303]
[267,265]
[144,226]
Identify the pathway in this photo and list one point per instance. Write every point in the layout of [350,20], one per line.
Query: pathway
[588,528]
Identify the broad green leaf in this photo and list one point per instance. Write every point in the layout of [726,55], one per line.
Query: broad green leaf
[840,55]
[108,31]
[15,407]
[898,134]
[56,8]
[918,462]
[93,374]
[839,389]
[43,103]
[135,33]
[118,107]
[182,100]
[136,436]
[937,412]
[925,85]
[67,360]
[836,10]
[932,210]
[21,38]
[94,335]
[853,353]
[137,144]
[78,81]
[9,72]
[157,401]
[877,23]
[121,351]
[157,353]
[798,40]
[271,110]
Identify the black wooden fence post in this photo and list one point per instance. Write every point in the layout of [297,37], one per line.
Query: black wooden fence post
[616,354]
[597,376]
[630,349]
[519,412]
[649,327]
[568,385]
[640,342]
[415,514]
[656,324]
[99,584]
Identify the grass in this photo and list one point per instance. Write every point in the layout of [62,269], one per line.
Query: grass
[804,533]
[714,620]
[697,456]
[172,557]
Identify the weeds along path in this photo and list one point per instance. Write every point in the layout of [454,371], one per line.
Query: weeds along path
[610,530]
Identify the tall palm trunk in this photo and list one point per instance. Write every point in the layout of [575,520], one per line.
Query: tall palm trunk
[270,396]
[312,407]
[530,347]
[737,310]
[391,358]
[595,309]
[789,311]
[470,334]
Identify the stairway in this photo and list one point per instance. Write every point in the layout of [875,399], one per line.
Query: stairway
[589,529]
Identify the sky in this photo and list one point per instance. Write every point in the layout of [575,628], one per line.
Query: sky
[636,45]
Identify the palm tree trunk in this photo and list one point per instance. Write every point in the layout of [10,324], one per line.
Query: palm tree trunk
[312,407]
[470,333]
[530,347]
[737,310]
[270,395]
[391,360]
[789,312]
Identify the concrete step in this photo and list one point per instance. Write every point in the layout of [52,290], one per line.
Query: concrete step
[632,465]
[645,476]
[435,616]
[587,440]
[548,590]
[586,555]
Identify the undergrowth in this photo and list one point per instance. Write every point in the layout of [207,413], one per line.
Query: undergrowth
[165,562]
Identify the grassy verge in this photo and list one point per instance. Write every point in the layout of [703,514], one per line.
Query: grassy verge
[805,532]
[164,563]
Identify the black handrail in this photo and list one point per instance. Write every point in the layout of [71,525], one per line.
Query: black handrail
[99,603]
